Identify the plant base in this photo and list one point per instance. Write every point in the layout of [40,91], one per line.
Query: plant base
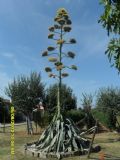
[61,139]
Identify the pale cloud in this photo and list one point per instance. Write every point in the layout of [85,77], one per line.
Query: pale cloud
[8,55]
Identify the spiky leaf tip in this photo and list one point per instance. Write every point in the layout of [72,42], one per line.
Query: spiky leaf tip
[45,53]
[52,59]
[72,40]
[74,67]
[50,48]
[48,69]
[71,54]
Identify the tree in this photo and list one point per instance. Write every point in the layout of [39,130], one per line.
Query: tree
[68,99]
[87,102]
[110,20]
[25,92]
[108,101]
[62,136]
[4,112]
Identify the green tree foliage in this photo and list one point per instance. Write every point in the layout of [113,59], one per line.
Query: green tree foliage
[87,102]
[108,102]
[68,99]
[4,113]
[75,115]
[25,92]
[110,19]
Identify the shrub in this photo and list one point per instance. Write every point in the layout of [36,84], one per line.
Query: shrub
[75,115]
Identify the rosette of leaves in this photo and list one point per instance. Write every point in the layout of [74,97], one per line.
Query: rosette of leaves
[50,36]
[50,48]
[45,53]
[74,67]
[48,69]
[65,74]
[52,59]
[71,54]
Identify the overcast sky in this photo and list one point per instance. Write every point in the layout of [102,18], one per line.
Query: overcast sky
[23,36]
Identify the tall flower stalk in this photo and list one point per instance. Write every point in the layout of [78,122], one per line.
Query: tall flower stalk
[61,138]
[62,25]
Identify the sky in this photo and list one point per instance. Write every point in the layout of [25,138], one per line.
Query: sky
[23,37]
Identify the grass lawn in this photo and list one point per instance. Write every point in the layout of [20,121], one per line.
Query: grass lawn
[110,147]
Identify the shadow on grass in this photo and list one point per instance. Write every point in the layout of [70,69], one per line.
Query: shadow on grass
[111,140]
[107,157]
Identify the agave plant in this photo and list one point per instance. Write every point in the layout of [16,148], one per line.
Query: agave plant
[62,137]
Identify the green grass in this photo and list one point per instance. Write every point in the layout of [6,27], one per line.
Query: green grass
[110,148]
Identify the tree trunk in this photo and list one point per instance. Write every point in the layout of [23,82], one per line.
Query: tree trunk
[4,120]
[29,125]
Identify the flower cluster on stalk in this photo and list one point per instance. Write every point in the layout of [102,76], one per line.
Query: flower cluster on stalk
[62,25]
